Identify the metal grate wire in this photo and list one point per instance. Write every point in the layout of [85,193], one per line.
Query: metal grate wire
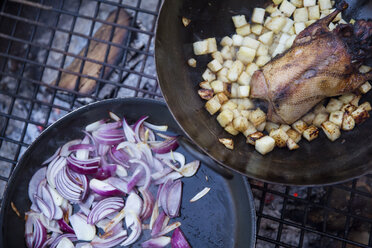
[286,216]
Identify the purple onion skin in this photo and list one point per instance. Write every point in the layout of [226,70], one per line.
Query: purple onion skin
[179,240]
[65,227]
[105,172]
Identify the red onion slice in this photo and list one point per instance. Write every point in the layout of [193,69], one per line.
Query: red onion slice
[105,171]
[103,188]
[104,208]
[165,146]
[89,166]
[65,227]
[148,203]
[146,169]
[128,132]
[39,175]
[137,126]
[162,128]
[82,229]
[94,126]
[53,168]
[174,199]
[109,242]
[119,184]
[44,207]
[65,243]
[35,232]
[136,228]
[65,148]
[71,237]
[179,240]
[158,224]
[158,242]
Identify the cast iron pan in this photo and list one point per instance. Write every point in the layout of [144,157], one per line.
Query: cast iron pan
[321,162]
[225,217]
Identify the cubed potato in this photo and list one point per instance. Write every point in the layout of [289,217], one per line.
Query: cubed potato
[320,118]
[225,117]
[233,51]
[324,13]
[297,3]
[288,25]
[237,40]
[338,16]
[331,130]
[342,21]
[228,143]
[222,97]
[226,53]
[364,88]
[185,21]
[290,41]
[208,75]
[292,31]
[275,13]
[253,137]
[258,15]
[251,43]
[311,133]
[352,21]
[271,8]
[231,130]
[246,55]
[218,86]
[222,75]
[214,65]
[245,113]
[243,91]
[360,115]
[283,38]
[348,108]
[271,126]
[366,106]
[251,68]
[285,127]
[364,68]
[228,63]
[213,105]
[262,50]
[205,94]
[218,56]
[308,23]
[277,2]
[235,70]
[240,123]
[331,26]
[347,98]
[325,4]
[236,113]
[336,117]
[308,3]
[244,78]
[265,145]
[261,127]
[243,31]
[234,90]
[243,104]
[309,118]
[334,105]
[280,137]
[212,45]
[191,62]
[262,60]
[229,105]
[299,26]
[267,38]
[239,21]
[291,144]
[257,117]
[287,8]
[278,49]
[226,41]
[256,29]
[300,126]
[301,15]
[200,47]
[348,122]
[294,135]
[205,85]
[250,130]
[252,35]
[276,24]
[319,109]
[355,101]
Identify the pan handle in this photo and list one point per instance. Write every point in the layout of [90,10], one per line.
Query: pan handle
[200,155]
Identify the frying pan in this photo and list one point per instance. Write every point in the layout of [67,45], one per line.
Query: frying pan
[225,217]
[321,162]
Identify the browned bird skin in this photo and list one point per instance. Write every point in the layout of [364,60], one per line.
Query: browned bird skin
[318,65]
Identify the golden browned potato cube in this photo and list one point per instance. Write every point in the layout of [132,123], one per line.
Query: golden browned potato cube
[231,130]
[245,103]
[208,75]
[228,143]
[366,106]
[222,75]
[267,38]
[246,55]
[280,137]
[225,117]
[287,8]
[261,127]
[200,47]
[237,40]
[234,90]
[276,24]
[277,49]
[258,15]
[230,105]
[309,118]
[265,145]
[228,63]
[243,91]
[334,105]
[277,2]
[300,15]
[274,14]
[336,117]
[236,113]
[226,54]
[320,109]
[331,130]
[297,3]
[290,41]
[283,38]
[251,68]
[319,119]
[256,29]
[288,25]
[364,88]
[360,115]
[205,85]
[325,4]
[235,71]
[347,98]
[364,69]
[291,144]
[253,137]
[239,21]
[205,94]
[218,56]
[348,108]
[285,127]
[271,126]
[311,133]
[240,123]
[308,23]
[191,62]
[348,122]
[214,65]
[262,50]
[185,21]
[299,26]
[213,105]
[257,117]
[212,45]
[218,86]
[308,3]
[300,126]
[355,101]
[263,60]
[243,31]
[271,8]
[226,41]
[251,43]
[294,135]
[222,97]
[244,79]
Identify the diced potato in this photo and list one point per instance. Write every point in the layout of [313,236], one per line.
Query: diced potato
[256,29]
[324,13]
[226,53]
[334,105]
[300,126]
[277,2]
[225,117]
[222,75]
[250,130]
[265,145]
[214,65]
[336,117]
[240,123]
[226,41]
[205,85]
[297,3]
[364,88]
[191,62]
[236,113]
[245,103]
[278,49]
[245,113]
[218,86]
[257,117]
[348,108]
[285,127]
[287,8]
[311,133]
[228,63]
[200,47]
[346,98]
[364,68]
[228,143]
[276,24]
[258,15]
[208,75]
[361,113]
[280,137]
[325,4]
[267,38]
[292,31]
[348,122]
[251,68]
[320,109]
[338,16]
[185,21]
[234,90]
[253,36]
[205,94]
[251,43]
[320,118]
[342,21]
[355,101]
[309,118]
[271,8]
[308,23]
[288,25]
[271,126]
[253,137]
[262,60]
[276,13]
[308,3]
[243,31]
[212,45]
[331,26]
[213,105]
[231,130]
[244,78]
[218,56]
[366,106]
[291,144]
[243,91]
[352,21]
[283,38]
[233,51]
[237,40]
[239,21]
[294,135]
[262,50]
[235,70]
[299,26]
[261,127]
[222,97]
[290,41]
[300,15]
[331,130]
[246,55]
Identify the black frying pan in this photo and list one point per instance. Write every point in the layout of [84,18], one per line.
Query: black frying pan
[225,217]
[320,162]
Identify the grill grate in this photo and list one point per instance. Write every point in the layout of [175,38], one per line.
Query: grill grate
[38,39]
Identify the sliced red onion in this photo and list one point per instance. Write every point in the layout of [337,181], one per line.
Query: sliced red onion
[154,215]
[128,132]
[114,116]
[47,197]
[163,195]
[174,157]
[137,126]
[118,156]
[109,242]
[172,176]
[103,188]
[134,206]
[146,169]
[136,228]
[53,168]
[65,243]
[169,228]
[119,184]
[161,128]
[174,199]
[105,171]
[165,146]
[121,171]
[148,203]
[158,242]
[111,126]
[84,245]
[108,137]
[65,148]
[117,219]
[146,153]
[39,175]
[94,126]
[179,240]
[160,174]
[86,204]
[135,179]
[67,188]
[82,229]
[158,224]
[64,226]
[35,232]
[104,208]
[50,225]
[189,169]
[82,146]
[57,198]
[71,237]
[51,158]
[131,149]
[44,207]
[89,166]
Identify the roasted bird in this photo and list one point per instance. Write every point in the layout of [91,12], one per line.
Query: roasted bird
[321,63]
